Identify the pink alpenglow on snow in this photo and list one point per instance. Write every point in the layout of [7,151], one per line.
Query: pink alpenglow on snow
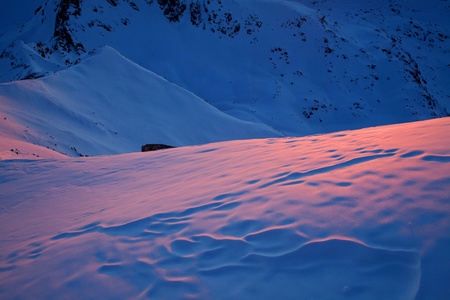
[351,215]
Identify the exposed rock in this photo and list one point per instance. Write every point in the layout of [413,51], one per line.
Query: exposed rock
[113,2]
[196,13]
[134,6]
[173,9]
[63,34]
[154,147]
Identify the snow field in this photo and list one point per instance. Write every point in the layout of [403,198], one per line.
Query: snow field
[357,214]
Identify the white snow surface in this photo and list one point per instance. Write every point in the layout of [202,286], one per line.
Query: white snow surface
[359,214]
[110,105]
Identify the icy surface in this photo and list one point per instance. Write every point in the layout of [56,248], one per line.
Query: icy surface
[351,215]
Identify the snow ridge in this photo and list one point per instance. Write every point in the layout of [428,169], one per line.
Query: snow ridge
[109,105]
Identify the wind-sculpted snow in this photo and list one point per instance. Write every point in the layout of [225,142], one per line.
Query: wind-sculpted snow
[357,214]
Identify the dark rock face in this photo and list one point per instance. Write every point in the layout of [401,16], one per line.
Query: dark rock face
[209,15]
[154,147]
[113,2]
[196,13]
[62,34]
[173,9]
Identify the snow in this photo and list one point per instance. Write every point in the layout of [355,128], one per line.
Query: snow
[237,210]
[109,105]
[359,214]
[342,64]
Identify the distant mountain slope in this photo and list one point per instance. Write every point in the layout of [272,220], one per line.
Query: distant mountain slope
[109,105]
[301,67]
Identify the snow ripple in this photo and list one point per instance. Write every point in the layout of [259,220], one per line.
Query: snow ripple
[260,219]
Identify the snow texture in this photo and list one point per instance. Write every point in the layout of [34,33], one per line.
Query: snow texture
[236,210]
[350,215]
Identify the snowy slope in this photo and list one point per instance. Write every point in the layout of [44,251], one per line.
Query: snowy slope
[300,67]
[356,214]
[109,105]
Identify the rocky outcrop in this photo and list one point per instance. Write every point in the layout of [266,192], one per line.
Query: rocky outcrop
[210,15]
[62,35]
[154,147]
[172,9]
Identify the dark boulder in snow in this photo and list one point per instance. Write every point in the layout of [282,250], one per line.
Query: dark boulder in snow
[154,147]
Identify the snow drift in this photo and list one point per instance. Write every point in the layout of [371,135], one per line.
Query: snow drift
[110,105]
[356,214]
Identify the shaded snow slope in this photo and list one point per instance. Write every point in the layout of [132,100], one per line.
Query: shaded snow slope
[14,143]
[109,105]
[300,67]
[356,214]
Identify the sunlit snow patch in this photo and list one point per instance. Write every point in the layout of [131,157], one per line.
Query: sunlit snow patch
[358,214]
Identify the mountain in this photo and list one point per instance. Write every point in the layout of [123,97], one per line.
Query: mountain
[301,67]
[109,105]
[237,210]
[351,215]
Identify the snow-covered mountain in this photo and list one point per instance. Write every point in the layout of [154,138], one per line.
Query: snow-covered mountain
[109,105]
[351,215]
[299,66]
[240,212]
